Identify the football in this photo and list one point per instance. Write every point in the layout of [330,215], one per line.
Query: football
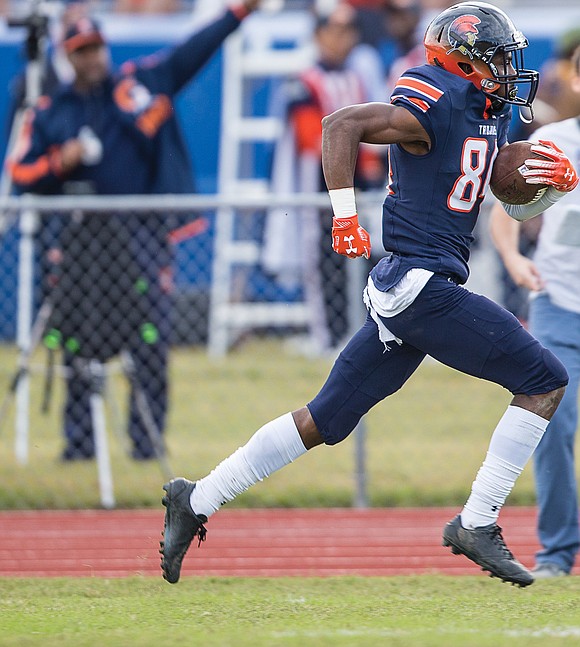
[507,183]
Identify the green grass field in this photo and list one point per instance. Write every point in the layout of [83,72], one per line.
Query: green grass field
[424,444]
[425,611]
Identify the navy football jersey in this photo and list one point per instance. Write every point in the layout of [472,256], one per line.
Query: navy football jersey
[433,200]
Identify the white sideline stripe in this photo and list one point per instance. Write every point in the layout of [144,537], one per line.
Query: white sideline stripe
[550,632]
[350,633]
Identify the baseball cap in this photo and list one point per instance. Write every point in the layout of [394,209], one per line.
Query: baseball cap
[82,32]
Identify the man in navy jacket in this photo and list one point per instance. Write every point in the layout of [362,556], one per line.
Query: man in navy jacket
[115,132]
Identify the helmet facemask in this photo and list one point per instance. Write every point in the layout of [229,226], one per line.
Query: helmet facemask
[509,82]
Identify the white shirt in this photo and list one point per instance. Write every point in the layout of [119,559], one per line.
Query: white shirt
[557,255]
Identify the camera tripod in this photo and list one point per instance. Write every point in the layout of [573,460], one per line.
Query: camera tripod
[95,373]
[36,25]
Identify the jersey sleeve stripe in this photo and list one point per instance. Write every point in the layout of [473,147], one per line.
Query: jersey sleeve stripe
[422,105]
[29,173]
[421,87]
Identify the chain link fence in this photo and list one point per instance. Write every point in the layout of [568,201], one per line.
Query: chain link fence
[112,376]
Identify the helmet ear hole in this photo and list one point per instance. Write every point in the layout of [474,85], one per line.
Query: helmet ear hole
[466,68]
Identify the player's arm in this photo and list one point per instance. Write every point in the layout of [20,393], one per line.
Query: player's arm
[369,123]
[342,132]
[505,233]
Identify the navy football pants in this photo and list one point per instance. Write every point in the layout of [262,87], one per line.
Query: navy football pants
[460,329]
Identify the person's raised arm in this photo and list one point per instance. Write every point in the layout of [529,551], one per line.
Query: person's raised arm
[177,66]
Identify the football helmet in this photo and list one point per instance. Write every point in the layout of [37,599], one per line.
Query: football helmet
[479,42]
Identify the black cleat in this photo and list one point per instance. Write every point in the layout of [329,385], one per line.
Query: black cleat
[180,527]
[486,547]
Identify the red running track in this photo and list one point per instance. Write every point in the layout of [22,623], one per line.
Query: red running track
[249,543]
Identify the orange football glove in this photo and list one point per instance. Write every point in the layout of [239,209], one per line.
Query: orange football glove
[349,238]
[556,170]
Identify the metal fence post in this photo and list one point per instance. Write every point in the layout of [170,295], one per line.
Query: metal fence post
[28,224]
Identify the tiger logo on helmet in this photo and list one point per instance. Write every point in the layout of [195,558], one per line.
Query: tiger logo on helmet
[461,30]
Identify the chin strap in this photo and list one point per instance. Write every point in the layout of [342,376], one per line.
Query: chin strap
[526,114]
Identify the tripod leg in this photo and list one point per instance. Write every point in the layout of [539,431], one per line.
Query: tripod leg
[23,367]
[101,444]
[22,394]
[146,416]
[10,394]
[48,382]
[115,411]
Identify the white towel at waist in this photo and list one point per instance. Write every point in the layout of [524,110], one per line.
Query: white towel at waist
[394,301]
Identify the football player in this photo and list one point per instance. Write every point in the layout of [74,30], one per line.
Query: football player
[445,122]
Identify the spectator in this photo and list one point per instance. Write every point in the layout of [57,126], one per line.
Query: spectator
[555,101]
[109,133]
[55,69]
[556,98]
[403,21]
[553,279]
[370,20]
[392,27]
[328,85]
[147,6]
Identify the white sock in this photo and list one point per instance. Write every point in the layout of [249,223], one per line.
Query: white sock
[513,442]
[273,446]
